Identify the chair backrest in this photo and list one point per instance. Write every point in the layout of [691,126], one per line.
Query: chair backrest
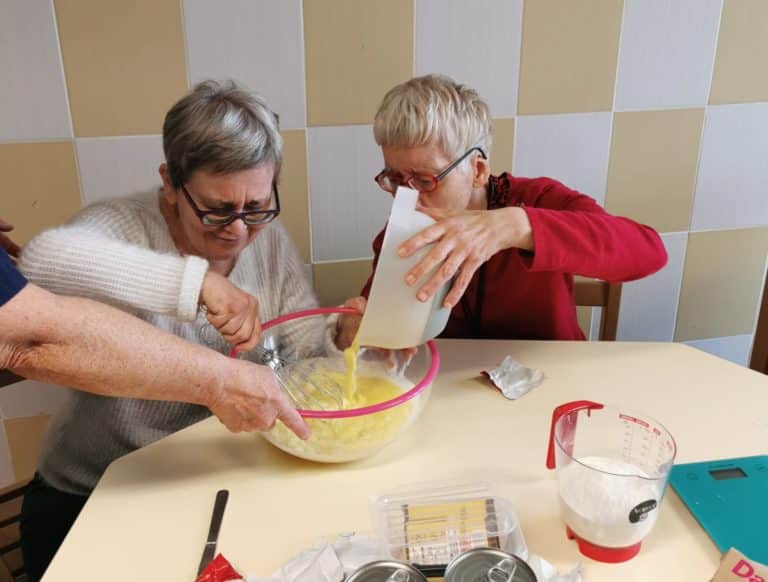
[11,563]
[759,360]
[597,293]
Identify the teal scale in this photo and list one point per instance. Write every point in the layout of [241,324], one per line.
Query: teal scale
[729,498]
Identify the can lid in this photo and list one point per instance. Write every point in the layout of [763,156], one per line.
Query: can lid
[488,565]
[386,571]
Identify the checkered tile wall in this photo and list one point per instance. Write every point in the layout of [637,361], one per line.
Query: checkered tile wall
[658,109]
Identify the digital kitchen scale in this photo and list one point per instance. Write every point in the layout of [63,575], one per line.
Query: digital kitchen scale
[729,498]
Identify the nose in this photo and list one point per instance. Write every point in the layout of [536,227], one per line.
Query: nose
[236,228]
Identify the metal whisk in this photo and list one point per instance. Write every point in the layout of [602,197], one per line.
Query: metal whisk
[306,382]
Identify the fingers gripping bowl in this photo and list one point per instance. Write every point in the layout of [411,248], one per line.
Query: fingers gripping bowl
[379,403]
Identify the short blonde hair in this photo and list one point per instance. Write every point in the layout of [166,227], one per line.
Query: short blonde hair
[433,109]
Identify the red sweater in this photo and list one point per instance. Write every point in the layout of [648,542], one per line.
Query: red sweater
[529,295]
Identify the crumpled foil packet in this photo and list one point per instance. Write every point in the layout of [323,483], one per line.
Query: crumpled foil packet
[513,379]
[328,562]
[332,562]
[546,572]
[218,570]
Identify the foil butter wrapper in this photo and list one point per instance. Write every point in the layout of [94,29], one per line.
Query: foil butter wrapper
[219,570]
[513,379]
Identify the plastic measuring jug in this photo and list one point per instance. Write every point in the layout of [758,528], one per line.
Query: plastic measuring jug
[394,318]
[612,469]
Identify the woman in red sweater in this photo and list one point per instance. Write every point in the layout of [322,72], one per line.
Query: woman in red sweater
[512,244]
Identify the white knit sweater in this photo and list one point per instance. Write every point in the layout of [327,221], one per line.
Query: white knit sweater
[121,252]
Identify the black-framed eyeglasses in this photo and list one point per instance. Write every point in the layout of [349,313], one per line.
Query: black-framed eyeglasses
[227,217]
[389,180]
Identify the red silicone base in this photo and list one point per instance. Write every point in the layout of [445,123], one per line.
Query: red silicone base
[602,554]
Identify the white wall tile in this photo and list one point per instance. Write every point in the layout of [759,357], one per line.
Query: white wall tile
[347,208]
[257,42]
[649,306]
[29,398]
[735,348]
[477,44]
[7,476]
[116,166]
[571,148]
[732,185]
[33,99]
[667,53]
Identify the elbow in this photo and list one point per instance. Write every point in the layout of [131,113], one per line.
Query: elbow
[659,258]
[36,254]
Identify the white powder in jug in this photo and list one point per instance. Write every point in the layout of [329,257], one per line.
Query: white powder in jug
[596,505]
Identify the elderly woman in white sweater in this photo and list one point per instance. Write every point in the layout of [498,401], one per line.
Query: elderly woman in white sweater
[202,258]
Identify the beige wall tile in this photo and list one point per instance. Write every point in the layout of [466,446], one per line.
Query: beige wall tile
[356,50]
[124,63]
[742,53]
[652,169]
[294,194]
[569,55]
[40,186]
[503,145]
[722,283]
[25,436]
[337,282]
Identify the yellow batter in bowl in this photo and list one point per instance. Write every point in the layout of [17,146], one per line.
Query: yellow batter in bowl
[347,439]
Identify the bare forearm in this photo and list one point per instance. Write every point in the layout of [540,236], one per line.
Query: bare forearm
[90,346]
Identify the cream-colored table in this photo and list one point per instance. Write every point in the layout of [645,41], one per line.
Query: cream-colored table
[148,518]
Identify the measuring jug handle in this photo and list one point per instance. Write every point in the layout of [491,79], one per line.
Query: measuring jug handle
[561,411]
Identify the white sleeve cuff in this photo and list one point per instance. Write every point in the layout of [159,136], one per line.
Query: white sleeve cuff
[195,269]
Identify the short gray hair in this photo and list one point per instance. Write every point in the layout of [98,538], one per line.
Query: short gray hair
[221,128]
[433,109]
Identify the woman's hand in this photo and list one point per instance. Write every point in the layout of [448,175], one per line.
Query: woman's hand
[464,240]
[5,241]
[250,399]
[232,311]
[348,323]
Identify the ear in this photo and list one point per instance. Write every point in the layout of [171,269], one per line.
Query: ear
[481,171]
[169,192]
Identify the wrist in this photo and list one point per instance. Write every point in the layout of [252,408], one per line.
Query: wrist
[213,380]
[515,229]
[523,229]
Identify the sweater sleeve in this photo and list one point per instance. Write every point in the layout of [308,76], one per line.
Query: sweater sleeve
[102,254]
[573,234]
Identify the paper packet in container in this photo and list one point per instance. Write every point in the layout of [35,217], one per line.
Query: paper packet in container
[429,524]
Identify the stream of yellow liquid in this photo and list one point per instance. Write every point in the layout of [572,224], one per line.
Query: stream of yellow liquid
[350,359]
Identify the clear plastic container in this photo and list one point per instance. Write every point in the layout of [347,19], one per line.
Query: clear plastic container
[429,524]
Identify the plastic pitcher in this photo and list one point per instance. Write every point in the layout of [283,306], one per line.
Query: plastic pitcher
[394,318]
[612,470]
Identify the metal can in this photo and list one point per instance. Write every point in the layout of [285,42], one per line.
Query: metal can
[488,565]
[386,571]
